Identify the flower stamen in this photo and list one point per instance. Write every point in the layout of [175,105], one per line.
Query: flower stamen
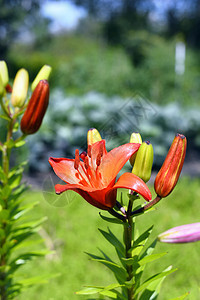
[98,159]
[89,150]
[77,159]
[83,155]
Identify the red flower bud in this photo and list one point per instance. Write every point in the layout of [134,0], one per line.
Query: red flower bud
[35,111]
[168,175]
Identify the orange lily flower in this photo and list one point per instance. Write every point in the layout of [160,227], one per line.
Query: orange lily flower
[94,177]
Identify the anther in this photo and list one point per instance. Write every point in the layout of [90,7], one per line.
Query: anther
[77,160]
[83,155]
[98,159]
[101,150]
[89,150]
[86,162]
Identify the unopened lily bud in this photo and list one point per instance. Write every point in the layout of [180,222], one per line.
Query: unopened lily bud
[20,88]
[35,111]
[93,136]
[135,138]
[169,173]
[181,234]
[4,72]
[1,87]
[144,161]
[44,73]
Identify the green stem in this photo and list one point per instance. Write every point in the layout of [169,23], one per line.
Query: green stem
[5,164]
[4,108]
[128,240]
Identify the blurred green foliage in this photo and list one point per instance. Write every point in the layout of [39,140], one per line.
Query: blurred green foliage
[95,85]
[82,64]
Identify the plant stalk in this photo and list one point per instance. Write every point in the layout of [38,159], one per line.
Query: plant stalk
[128,240]
[6,165]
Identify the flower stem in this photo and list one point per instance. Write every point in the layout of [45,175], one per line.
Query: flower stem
[128,240]
[5,164]
[147,206]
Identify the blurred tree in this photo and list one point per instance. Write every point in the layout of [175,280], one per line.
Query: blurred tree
[184,17]
[18,16]
[121,19]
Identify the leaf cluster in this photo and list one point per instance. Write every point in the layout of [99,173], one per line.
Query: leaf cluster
[141,255]
[17,230]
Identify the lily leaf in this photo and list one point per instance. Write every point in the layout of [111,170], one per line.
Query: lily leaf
[110,237]
[150,258]
[181,297]
[153,289]
[89,291]
[111,220]
[145,284]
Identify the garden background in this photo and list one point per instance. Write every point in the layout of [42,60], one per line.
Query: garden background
[126,66]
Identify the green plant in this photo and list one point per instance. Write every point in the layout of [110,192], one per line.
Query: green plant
[16,225]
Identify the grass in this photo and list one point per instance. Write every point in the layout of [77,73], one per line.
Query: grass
[72,229]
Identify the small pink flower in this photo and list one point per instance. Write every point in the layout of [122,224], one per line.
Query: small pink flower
[181,234]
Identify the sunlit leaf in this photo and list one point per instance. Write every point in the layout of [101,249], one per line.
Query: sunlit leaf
[151,279]
[111,220]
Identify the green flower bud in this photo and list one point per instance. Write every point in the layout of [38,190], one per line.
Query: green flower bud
[20,88]
[93,136]
[1,87]
[4,72]
[135,138]
[144,161]
[44,73]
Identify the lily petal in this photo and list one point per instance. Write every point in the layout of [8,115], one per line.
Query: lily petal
[132,182]
[91,195]
[114,161]
[64,169]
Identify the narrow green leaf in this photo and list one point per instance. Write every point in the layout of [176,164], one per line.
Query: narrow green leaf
[5,117]
[106,291]
[150,258]
[33,224]
[16,127]
[24,209]
[17,169]
[95,257]
[2,175]
[89,291]
[19,238]
[110,237]
[151,279]
[111,220]
[14,181]
[18,191]
[109,294]
[149,250]
[20,143]
[5,192]
[118,271]
[142,239]
[28,244]
[154,288]
[181,297]
[105,255]
[112,286]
